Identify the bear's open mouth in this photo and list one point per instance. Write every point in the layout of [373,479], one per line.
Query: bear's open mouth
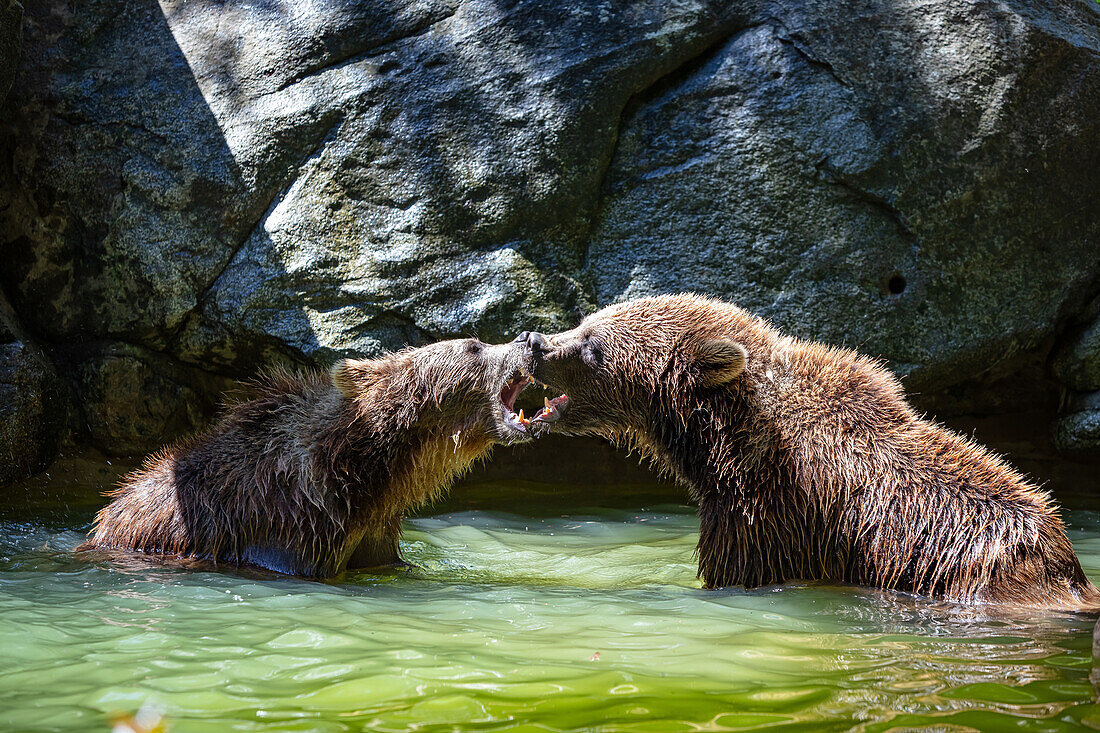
[550,412]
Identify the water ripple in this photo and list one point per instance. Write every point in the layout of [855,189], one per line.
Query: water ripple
[508,622]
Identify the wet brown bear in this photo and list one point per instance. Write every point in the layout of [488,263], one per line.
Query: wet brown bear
[805,460]
[314,472]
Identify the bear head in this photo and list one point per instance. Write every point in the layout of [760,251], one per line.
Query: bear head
[461,388]
[627,363]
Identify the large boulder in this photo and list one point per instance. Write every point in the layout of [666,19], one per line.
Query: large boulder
[32,409]
[226,181]
[914,179]
[1077,364]
[228,184]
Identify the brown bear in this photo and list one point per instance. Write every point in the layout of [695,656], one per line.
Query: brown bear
[313,473]
[806,460]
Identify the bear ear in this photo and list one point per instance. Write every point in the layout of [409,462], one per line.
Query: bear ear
[343,376]
[719,360]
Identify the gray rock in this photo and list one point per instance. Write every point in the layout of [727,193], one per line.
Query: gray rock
[33,407]
[134,400]
[117,184]
[224,178]
[227,184]
[11,24]
[450,190]
[1077,432]
[1077,365]
[913,179]
[32,411]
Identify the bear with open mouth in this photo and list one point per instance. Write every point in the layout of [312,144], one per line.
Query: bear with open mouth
[805,460]
[314,472]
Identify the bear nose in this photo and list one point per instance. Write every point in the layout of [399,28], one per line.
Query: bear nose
[536,342]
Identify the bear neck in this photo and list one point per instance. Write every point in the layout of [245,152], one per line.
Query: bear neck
[726,449]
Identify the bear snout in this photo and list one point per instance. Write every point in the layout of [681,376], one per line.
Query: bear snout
[535,341]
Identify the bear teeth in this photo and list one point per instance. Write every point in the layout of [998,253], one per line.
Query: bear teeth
[551,410]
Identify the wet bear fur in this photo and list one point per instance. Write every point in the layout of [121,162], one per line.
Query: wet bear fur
[806,460]
[313,473]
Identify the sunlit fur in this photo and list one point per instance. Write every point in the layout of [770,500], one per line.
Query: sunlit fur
[809,463]
[313,472]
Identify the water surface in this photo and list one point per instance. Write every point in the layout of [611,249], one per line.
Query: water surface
[533,615]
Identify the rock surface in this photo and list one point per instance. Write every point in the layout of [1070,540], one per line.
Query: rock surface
[163,399]
[33,408]
[902,177]
[1077,367]
[205,187]
[1078,429]
[1078,364]
[11,24]
[32,417]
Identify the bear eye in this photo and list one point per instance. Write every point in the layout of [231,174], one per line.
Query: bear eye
[473,346]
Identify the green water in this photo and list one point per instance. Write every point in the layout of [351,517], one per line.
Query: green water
[530,616]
